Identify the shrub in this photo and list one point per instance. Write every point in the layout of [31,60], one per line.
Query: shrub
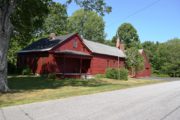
[26,71]
[113,73]
[123,74]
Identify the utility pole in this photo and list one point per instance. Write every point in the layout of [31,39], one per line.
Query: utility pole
[118,55]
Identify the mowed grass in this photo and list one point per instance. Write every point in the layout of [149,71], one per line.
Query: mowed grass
[33,89]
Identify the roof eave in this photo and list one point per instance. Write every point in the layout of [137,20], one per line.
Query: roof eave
[109,55]
[28,51]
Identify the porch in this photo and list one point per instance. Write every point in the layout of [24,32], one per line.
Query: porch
[73,64]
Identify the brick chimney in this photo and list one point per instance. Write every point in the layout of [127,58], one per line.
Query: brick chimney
[52,36]
[120,44]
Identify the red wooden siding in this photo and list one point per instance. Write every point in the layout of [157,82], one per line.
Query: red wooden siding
[146,72]
[100,63]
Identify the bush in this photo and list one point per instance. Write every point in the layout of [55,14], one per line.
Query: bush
[26,71]
[113,73]
[52,76]
[123,74]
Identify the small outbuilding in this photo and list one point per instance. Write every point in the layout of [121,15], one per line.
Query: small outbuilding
[146,72]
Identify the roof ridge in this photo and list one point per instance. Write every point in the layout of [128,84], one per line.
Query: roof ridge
[100,43]
[70,34]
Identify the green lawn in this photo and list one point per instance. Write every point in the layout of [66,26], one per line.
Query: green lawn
[33,89]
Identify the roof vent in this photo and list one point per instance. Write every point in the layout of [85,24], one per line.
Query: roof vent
[52,36]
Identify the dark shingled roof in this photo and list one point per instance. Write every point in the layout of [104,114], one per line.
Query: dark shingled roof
[45,44]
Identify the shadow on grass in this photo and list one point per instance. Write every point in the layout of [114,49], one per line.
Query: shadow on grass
[34,83]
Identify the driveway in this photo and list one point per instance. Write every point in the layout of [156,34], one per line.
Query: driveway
[152,102]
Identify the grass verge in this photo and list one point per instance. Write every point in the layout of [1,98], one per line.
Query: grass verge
[33,89]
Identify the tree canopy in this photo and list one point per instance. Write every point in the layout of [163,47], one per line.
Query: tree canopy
[128,34]
[98,6]
[164,57]
[87,23]
[28,17]
[56,21]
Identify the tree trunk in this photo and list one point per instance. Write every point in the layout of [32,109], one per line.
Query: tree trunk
[6,8]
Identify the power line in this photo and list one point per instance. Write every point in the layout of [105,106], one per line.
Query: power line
[142,9]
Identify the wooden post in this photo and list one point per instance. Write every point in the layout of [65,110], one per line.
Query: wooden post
[80,65]
[63,64]
[118,68]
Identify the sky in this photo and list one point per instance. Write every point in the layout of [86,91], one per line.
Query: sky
[154,20]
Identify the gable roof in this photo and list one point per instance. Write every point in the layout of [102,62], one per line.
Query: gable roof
[103,49]
[45,44]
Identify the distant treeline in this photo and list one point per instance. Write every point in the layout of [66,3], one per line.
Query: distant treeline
[164,57]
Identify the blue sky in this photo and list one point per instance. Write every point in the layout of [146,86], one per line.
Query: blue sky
[158,22]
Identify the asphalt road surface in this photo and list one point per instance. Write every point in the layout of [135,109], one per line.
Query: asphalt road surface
[152,102]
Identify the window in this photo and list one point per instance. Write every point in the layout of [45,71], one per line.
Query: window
[75,44]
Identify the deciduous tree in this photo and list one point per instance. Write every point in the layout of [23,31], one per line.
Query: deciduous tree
[134,60]
[89,24]
[128,34]
[56,21]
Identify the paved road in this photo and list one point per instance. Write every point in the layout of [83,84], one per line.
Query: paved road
[152,102]
[162,78]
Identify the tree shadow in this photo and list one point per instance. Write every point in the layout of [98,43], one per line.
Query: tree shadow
[18,84]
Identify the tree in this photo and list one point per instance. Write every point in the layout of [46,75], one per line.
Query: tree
[56,21]
[134,60]
[27,16]
[164,57]
[150,49]
[114,39]
[24,21]
[169,57]
[88,24]
[93,5]
[128,34]
[109,42]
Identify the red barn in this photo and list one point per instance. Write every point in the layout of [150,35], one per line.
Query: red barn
[146,72]
[70,56]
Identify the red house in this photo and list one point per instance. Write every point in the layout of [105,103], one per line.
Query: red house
[70,56]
